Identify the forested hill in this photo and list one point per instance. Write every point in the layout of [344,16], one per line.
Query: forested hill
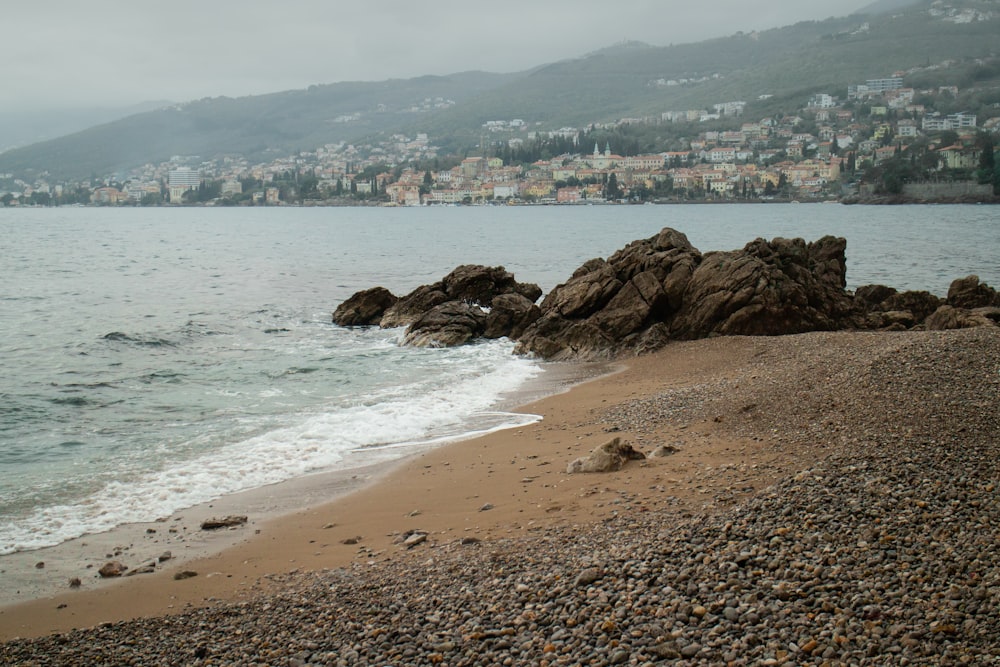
[775,70]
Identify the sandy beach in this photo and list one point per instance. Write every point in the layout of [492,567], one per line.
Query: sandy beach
[520,473]
[745,414]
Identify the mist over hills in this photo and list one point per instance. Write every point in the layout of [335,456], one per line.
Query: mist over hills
[630,79]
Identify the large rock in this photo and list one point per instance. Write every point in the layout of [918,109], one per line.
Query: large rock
[607,302]
[663,288]
[769,288]
[364,308]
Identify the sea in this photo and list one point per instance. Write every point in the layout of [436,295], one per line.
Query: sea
[157,358]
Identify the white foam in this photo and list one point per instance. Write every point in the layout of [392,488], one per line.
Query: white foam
[456,402]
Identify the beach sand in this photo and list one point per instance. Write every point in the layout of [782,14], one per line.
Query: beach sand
[519,473]
[739,411]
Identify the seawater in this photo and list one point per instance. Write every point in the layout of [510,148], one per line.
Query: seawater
[154,359]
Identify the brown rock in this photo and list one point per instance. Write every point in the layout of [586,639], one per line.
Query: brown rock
[226,522]
[969,293]
[662,288]
[409,308]
[470,284]
[948,317]
[111,569]
[446,325]
[364,308]
[510,315]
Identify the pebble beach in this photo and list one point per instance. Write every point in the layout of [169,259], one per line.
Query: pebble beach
[830,500]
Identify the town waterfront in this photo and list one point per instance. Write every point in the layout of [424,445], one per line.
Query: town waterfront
[159,358]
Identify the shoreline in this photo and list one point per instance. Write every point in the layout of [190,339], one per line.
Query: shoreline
[756,422]
[31,577]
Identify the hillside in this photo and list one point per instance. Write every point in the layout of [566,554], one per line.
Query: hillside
[784,65]
[255,126]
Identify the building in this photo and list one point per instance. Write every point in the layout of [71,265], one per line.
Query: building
[822,101]
[181,180]
[938,123]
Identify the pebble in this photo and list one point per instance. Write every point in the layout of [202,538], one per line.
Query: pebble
[880,551]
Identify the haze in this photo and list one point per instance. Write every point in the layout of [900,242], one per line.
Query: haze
[62,54]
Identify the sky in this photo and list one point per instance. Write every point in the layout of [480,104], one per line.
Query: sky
[63,54]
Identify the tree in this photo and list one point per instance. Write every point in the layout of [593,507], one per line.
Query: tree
[612,190]
[309,187]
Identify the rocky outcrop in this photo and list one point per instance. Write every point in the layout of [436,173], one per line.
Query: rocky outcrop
[662,288]
[769,288]
[881,307]
[470,302]
[364,308]
[469,283]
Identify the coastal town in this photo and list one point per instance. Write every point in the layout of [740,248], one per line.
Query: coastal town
[832,148]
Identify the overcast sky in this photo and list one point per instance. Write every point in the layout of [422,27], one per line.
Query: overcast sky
[66,53]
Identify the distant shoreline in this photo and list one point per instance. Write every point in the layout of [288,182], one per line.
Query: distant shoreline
[883,200]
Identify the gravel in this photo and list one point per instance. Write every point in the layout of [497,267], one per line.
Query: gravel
[881,551]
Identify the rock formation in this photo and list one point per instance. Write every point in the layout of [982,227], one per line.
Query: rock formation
[470,302]
[661,289]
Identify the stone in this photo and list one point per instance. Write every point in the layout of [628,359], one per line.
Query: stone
[587,577]
[111,569]
[364,308]
[414,539]
[608,457]
[663,451]
[225,522]
[186,574]
[75,582]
